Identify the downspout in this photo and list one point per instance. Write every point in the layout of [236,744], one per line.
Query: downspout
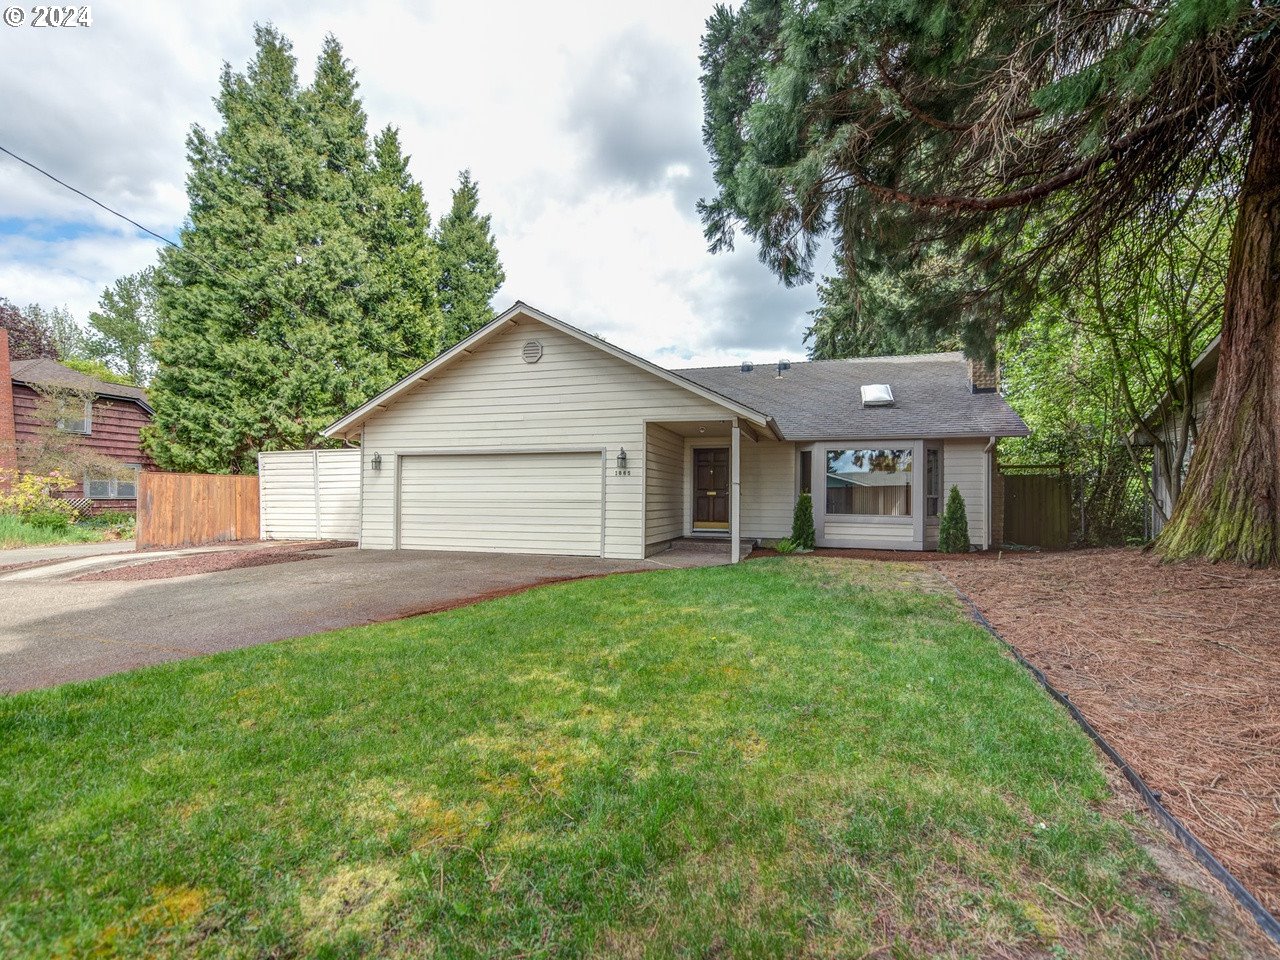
[986,492]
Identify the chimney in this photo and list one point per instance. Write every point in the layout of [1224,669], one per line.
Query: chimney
[8,430]
[983,378]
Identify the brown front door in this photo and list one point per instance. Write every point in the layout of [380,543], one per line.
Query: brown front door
[711,489]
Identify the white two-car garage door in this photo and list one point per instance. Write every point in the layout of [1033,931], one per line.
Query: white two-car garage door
[508,502]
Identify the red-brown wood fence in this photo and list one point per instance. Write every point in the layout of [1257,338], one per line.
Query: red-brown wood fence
[188,509]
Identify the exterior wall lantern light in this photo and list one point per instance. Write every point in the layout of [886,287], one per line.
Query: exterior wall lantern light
[376,462]
[622,458]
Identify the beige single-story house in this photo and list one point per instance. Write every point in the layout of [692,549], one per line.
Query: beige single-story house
[532,436]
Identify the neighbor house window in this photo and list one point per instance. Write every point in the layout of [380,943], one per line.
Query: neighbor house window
[932,482]
[124,487]
[873,483]
[806,471]
[74,418]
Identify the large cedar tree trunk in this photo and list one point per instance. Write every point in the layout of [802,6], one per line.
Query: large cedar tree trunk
[1228,507]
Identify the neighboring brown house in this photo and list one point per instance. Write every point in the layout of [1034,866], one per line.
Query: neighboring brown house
[109,423]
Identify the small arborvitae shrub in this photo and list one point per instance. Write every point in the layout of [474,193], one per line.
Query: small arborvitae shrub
[953,531]
[803,536]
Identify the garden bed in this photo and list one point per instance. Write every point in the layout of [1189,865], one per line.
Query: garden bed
[1178,666]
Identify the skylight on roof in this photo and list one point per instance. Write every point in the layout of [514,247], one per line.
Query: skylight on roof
[877,395]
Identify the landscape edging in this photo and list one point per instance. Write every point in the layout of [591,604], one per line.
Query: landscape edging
[1239,892]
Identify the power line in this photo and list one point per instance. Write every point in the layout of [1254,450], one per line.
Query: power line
[271,294]
[75,190]
[115,213]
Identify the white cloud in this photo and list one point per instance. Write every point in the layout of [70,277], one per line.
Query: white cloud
[580,120]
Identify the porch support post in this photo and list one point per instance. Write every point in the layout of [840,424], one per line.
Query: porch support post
[735,493]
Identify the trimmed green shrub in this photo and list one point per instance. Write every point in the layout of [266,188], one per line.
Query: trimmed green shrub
[803,536]
[953,531]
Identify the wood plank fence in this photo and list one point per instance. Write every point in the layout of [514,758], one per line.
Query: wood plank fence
[1037,507]
[189,509]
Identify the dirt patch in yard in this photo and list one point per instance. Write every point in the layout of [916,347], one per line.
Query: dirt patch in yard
[1178,666]
[211,562]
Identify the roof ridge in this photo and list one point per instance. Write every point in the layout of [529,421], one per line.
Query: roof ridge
[60,373]
[889,358]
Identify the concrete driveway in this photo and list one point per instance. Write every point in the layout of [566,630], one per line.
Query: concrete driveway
[56,630]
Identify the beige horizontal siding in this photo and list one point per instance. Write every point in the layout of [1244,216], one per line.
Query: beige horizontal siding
[768,488]
[664,486]
[893,534]
[963,466]
[575,396]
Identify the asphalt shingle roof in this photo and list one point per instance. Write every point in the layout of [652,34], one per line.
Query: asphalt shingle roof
[822,400]
[45,372]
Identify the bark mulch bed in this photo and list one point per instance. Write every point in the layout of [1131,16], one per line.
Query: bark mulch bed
[1177,665]
[211,562]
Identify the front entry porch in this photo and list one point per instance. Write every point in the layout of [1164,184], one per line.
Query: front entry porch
[693,482]
[699,552]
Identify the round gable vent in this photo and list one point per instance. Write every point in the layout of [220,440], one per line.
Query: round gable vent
[532,352]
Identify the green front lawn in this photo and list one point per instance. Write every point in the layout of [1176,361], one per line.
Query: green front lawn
[786,758]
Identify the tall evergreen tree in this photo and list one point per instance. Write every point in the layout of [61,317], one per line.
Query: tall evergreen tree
[404,263]
[470,271]
[269,322]
[864,320]
[122,329]
[990,150]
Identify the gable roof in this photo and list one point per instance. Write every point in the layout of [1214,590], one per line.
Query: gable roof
[43,372]
[822,399]
[498,323]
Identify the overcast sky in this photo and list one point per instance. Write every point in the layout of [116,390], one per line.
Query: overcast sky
[581,122]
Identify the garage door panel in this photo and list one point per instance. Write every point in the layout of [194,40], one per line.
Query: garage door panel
[546,503]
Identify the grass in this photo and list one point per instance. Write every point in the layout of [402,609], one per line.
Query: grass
[787,758]
[15,532]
